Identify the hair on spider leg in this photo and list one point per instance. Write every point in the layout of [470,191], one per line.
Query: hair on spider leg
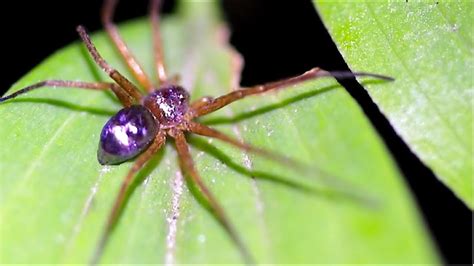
[149,118]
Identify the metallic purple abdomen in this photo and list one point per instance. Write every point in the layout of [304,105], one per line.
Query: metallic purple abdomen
[126,134]
[171,102]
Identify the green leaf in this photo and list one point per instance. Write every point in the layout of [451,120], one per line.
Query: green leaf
[55,196]
[428,47]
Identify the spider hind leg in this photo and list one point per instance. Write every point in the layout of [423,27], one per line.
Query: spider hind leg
[120,200]
[187,164]
[125,98]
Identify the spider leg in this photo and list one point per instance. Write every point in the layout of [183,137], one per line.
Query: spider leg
[314,73]
[200,102]
[107,13]
[204,130]
[187,165]
[124,189]
[157,44]
[113,73]
[125,98]
[335,182]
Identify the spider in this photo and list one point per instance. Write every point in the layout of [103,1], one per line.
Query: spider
[147,120]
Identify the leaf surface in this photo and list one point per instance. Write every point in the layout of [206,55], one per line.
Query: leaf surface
[427,46]
[55,196]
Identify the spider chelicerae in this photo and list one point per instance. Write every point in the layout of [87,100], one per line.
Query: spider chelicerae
[141,128]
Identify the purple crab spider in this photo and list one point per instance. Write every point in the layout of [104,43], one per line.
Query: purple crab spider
[141,128]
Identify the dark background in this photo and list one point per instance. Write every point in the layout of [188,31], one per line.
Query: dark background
[277,40]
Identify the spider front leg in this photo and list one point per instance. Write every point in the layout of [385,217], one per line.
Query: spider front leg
[125,91]
[201,102]
[122,81]
[125,98]
[157,43]
[158,142]
[187,164]
[137,70]
[315,73]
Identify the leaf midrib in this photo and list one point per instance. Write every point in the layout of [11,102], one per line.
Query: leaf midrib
[461,144]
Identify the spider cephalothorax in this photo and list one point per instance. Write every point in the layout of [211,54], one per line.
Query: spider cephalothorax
[144,123]
[129,132]
[169,104]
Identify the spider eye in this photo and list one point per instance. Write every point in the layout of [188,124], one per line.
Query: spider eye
[126,134]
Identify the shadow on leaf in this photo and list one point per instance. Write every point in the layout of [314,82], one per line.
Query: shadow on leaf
[323,192]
